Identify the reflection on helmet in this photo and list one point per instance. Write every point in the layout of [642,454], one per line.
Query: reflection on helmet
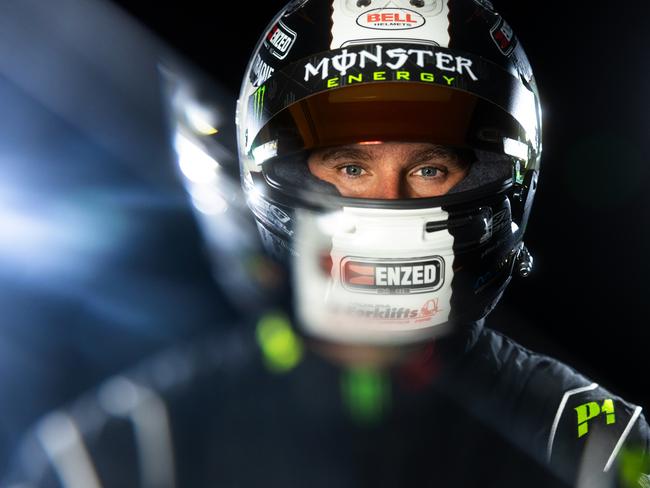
[344,74]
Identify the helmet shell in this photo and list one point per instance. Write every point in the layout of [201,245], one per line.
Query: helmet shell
[332,72]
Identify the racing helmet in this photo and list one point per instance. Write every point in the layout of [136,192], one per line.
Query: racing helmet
[336,73]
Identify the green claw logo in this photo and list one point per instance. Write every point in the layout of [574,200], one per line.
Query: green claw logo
[258,102]
[591,410]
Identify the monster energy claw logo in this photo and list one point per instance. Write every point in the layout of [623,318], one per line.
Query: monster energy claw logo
[258,101]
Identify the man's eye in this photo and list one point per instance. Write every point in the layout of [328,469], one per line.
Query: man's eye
[429,172]
[353,170]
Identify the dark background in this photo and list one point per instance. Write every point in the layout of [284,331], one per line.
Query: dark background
[122,274]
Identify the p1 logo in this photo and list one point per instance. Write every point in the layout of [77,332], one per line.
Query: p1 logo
[591,410]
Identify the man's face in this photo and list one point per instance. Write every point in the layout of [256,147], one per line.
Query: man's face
[389,170]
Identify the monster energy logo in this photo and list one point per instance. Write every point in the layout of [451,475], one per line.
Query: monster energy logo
[591,410]
[392,59]
[258,101]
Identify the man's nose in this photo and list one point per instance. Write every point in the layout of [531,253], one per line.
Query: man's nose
[390,187]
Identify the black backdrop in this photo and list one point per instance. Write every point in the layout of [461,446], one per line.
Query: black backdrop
[586,301]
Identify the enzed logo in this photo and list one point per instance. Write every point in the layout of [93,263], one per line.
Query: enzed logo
[390,19]
[280,40]
[591,410]
[392,276]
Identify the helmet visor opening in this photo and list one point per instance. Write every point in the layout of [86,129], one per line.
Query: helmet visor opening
[408,112]
[387,141]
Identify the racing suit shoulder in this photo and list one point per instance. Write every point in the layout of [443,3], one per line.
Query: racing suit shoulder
[578,427]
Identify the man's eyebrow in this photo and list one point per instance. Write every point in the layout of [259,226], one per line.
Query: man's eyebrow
[437,152]
[433,152]
[345,152]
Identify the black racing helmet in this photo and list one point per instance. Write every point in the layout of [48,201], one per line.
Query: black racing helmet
[340,73]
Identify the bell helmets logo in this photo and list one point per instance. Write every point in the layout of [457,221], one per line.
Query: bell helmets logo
[279,40]
[393,277]
[390,19]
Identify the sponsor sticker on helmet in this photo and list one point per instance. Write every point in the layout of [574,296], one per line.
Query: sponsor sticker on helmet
[260,71]
[280,40]
[394,277]
[377,63]
[387,313]
[390,19]
[424,22]
[503,36]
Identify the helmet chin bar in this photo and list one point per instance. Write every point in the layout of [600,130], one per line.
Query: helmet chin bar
[397,276]
[372,276]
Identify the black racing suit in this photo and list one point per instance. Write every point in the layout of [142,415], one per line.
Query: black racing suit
[474,410]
